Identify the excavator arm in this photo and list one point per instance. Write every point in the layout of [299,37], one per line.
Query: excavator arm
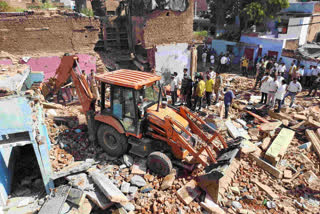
[68,67]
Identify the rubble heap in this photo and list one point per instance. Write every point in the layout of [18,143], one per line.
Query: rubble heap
[277,171]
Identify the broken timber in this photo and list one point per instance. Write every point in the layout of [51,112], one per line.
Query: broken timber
[261,119]
[55,203]
[108,188]
[266,166]
[314,139]
[279,146]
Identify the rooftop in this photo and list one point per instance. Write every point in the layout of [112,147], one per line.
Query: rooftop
[128,78]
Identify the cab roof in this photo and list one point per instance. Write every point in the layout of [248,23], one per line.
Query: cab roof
[128,78]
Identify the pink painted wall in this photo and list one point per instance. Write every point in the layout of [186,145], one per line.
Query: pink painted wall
[50,64]
[5,62]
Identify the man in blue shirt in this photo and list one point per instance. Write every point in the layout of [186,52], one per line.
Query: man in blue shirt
[228,97]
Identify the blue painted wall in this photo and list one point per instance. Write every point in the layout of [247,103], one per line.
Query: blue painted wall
[267,44]
[302,7]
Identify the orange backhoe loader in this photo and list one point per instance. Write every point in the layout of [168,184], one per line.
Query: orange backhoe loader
[136,121]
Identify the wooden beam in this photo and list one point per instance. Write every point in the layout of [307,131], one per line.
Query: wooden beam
[261,119]
[314,139]
[279,146]
[266,166]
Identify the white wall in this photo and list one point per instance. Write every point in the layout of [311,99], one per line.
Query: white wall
[300,32]
[304,30]
[172,58]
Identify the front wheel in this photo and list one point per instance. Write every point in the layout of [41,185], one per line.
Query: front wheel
[159,163]
[112,142]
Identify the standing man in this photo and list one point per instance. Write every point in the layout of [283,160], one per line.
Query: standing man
[217,86]
[204,59]
[280,94]
[282,69]
[93,85]
[292,90]
[212,59]
[224,61]
[199,93]
[228,98]
[265,82]
[259,74]
[183,90]
[291,70]
[211,73]
[209,89]
[308,74]
[174,87]
[244,67]
[273,87]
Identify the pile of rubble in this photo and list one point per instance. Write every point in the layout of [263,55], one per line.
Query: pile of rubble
[277,171]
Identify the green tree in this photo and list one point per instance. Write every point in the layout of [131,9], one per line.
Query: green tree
[258,11]
[249,11]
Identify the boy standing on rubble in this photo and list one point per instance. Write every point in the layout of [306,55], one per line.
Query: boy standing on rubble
[273,88]
[280,94]
[265,88]
[228,98]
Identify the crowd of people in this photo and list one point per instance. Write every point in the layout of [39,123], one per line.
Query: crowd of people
[277,82]
[221,63]
[206,85]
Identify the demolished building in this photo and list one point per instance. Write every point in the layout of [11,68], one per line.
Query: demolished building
[22,130]
[158,34]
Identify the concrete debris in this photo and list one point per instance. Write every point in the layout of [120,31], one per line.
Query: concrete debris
[138,181]
[108,188]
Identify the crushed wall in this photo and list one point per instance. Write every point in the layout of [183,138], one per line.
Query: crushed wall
[164,27]
[45,34]
[314,28]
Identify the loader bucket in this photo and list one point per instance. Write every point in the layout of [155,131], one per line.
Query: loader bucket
[219,175]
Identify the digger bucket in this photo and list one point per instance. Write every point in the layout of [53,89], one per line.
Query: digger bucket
[218,175]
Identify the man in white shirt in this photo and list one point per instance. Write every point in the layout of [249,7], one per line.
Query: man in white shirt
[292,90]
[279,79]
[174,87]
[212,59]
[211,73]
[273,87]
[280,94]
[204,59]
[223,61]
[282,69]
[265,88]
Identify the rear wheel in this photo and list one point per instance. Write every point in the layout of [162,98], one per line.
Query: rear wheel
[113,143]
[159,163]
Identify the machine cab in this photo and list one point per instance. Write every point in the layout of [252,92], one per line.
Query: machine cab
[130,93]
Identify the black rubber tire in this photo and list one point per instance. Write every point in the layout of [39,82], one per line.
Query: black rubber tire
[112,142]
[159,163]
